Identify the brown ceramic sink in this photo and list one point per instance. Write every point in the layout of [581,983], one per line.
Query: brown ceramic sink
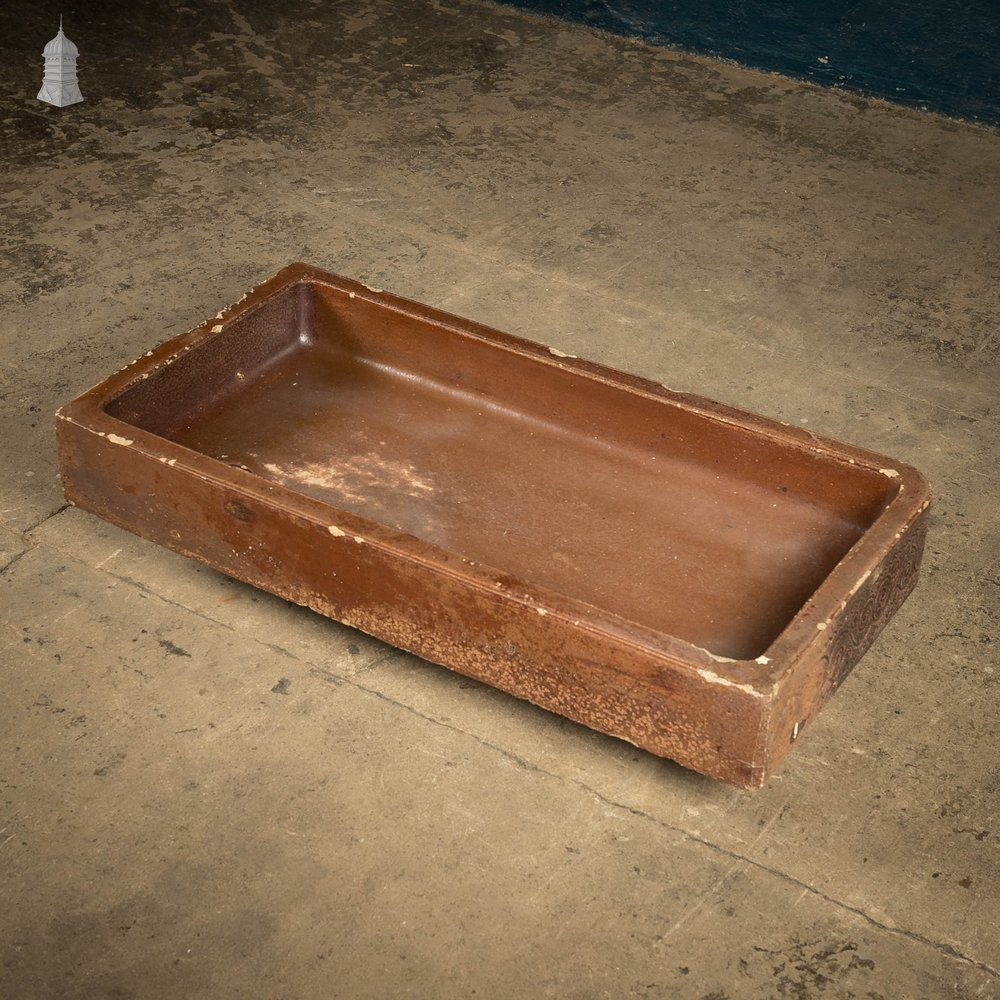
[686,576]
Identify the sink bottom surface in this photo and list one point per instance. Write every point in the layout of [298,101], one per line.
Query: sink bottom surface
[703,555]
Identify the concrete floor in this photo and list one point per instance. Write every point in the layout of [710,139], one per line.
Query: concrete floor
[210,793]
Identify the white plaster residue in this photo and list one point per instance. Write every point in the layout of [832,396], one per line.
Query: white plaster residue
[716,657]
[350,295]
[860,583]
[821,626]
[560,354]
[217,328]
[115,439]
[714,678]
[336,532]
[359,540]
[541,611]
[377,291]
[763,660]
[358,479]
[891,473]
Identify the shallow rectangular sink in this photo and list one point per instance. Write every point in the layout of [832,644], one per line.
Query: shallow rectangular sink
[689,577]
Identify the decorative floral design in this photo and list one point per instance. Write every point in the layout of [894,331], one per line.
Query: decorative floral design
[870,609]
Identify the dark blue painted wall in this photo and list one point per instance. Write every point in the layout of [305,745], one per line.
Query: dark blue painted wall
[939,54]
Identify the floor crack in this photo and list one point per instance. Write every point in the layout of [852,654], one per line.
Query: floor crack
[13,561]
[26,540]
[940,946]
[945,949]
[391,652]
[45,517]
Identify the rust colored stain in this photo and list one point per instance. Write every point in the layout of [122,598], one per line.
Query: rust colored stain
[686,576]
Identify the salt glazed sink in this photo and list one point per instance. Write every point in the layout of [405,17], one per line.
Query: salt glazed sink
[689,577]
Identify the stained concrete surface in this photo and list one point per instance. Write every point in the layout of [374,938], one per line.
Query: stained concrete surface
[208,792]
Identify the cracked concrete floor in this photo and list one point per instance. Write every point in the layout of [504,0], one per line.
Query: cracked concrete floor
[210,793]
